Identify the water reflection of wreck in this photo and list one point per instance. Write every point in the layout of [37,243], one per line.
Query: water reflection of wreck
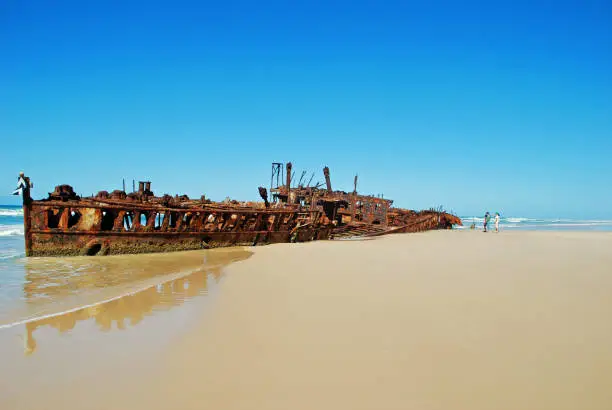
[138,222]
[128,310]
[124,311]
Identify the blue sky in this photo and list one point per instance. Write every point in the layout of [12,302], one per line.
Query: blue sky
[473,105]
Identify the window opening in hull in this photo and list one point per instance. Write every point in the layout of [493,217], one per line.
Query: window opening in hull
[74,218]
[53,218]
[108,220]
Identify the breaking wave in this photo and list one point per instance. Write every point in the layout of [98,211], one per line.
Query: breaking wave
[11,212]
[10,254]
[519,220]
[11,230]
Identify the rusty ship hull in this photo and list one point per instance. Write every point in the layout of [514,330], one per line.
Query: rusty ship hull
[65,224]
[90,227]
[207,228]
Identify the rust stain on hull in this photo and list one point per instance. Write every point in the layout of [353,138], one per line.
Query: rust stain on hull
[65,224]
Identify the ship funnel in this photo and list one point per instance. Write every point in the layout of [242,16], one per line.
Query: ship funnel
[327,179]
[140,187]
[289,166]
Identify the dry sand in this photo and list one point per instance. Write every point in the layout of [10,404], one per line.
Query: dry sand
[440,320]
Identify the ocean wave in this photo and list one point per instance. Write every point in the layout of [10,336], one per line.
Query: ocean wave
[11,212]
[470,219]
[582,223]
[11,254]
[11,230]
[518,220]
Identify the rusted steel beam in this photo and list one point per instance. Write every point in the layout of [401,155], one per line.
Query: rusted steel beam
[138,206]
[288,182]
[152,234]
[327,179]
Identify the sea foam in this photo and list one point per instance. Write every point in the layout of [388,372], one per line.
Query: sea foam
[11,230]
[11,212]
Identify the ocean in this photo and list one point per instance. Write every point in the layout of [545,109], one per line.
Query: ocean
[540,224]
[11,232]
[33,288]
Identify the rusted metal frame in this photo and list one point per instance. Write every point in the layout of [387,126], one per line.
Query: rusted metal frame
[274,227]
[195,222]
[245,222]
[255,222]
[179,221]
[130,206]
[259,221]
[240,219]
[136,225]
[45,218]
[171,216]
[152,215]
[63,220]
[230,222]
[185,221]
[227,220]
[353,207]
[327,179]
[240,222]
[288,182]
[269,225]
[165,221]
[290,220]
[219,222]
[128,219]
[152,234]
[206,224]
[282,223]
[118,222]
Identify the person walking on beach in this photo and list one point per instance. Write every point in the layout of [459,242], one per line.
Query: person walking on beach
[487,218]
[496,221]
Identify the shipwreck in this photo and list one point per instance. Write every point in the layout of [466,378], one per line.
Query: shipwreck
[66,224]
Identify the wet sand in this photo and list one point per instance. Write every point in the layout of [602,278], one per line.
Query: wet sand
[51,286]
[440,320]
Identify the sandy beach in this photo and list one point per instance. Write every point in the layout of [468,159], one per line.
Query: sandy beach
[439,320]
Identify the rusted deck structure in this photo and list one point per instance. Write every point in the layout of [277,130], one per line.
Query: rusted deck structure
[65,224]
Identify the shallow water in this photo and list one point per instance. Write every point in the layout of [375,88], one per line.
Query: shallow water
[112,291]
[48,286]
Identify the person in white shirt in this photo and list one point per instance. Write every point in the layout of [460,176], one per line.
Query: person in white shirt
[496,221]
